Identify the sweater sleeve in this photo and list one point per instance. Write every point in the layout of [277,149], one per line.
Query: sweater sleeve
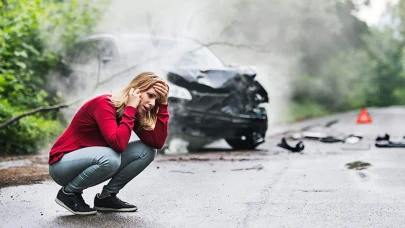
[156,138]
[116,135]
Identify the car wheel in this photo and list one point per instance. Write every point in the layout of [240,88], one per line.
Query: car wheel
[246,141]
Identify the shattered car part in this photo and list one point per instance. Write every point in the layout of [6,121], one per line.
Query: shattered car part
[208,99]
[326,138]
[308,135]
[351,139]
[386,142]
[319,134]
[298,147]
[386,137]
[308,132]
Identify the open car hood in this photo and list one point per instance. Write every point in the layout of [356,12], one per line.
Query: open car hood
[209,80]
[231,90]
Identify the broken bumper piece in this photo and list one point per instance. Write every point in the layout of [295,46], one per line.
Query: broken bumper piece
[296,149]
[386,142]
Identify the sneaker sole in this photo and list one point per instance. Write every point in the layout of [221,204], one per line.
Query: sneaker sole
[117,210]
[74,212]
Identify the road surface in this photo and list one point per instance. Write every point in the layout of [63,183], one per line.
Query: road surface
[268,187]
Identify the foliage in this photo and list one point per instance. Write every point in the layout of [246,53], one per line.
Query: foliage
[361,67]
[346,82]
[305,109]
[324,46]
[386,54]
[26,58]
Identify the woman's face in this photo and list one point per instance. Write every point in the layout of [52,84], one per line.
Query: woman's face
[148,100]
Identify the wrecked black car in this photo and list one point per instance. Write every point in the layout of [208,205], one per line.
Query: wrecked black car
[208,99]
[226,108]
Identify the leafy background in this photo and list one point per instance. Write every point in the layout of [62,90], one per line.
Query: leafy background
[26,61]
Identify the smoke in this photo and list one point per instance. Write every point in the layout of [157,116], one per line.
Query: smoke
[177,145]
[212,22]
[174,18]
[254,33]
[258,33]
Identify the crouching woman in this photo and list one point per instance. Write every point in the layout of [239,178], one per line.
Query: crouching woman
[95,146]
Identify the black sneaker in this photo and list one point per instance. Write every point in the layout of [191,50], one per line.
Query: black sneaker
[74,202]
[112,203]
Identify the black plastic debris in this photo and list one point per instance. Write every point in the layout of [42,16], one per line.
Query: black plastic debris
[385,142]
[352,139]
[386,137]
[298,147]
[331,139]
[324,136]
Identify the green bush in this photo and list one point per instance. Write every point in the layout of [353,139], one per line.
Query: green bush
[26,60]
[305,110]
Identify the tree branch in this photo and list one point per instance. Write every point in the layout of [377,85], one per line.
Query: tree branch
[39,109]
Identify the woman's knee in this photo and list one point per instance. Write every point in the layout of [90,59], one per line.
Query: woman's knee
[149,154]
[109,161]
[142,151]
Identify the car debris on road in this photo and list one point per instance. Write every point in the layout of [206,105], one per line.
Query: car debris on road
[296,149]
[386,142]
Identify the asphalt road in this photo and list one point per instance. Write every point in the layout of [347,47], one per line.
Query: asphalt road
[269,187]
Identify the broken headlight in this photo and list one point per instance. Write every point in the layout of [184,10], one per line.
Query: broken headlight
[178,92]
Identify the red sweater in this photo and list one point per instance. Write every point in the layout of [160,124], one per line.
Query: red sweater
[95,124]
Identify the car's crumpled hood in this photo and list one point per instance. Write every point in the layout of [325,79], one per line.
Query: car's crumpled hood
[231,90]
[208,79]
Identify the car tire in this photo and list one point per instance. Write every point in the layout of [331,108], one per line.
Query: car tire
[245,141]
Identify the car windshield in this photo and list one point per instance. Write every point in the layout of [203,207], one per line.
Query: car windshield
[172,53]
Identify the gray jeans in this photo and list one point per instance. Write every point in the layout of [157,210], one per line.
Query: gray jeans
[87,167]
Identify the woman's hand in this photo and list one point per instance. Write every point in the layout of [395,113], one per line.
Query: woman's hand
[162,89]
[134,97]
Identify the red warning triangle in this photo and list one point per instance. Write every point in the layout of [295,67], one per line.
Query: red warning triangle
[363,117]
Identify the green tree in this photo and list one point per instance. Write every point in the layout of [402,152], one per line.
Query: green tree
[386,54]
[386,49]
[321,42]
[26,58]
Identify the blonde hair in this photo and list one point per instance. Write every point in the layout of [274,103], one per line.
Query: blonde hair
[143,81]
